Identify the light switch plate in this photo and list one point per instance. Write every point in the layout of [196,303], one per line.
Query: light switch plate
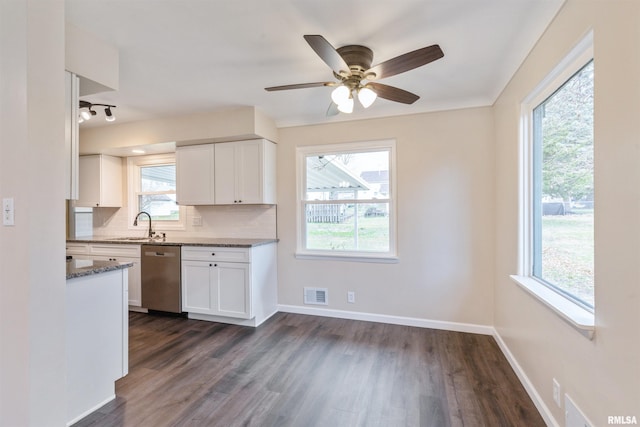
[7,211]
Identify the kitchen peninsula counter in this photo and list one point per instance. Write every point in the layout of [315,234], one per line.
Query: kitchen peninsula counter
[178,241]
[81,267]
[97,337]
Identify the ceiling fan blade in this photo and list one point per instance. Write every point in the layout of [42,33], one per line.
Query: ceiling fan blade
[298,86]
[327,53]
[332,110]
[406,62]
[393,93]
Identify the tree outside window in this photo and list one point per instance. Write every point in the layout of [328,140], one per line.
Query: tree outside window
[563,188]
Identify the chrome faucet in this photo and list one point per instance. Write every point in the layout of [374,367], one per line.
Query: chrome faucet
[135,222]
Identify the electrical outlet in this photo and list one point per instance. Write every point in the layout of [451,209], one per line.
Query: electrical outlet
[351,297]
[196,221]
[556,393]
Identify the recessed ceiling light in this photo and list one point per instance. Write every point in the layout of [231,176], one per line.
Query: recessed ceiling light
[136,151]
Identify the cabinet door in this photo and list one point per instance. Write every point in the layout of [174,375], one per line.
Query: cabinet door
[100,181]
[135,281]
[89,181]
[233,294]
[197,295]
[225,173]
[110,181]
[249,172]
[194,175]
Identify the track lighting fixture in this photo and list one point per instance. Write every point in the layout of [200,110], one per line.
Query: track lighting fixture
[87,111]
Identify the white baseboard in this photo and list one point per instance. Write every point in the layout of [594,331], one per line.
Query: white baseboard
[91,410]
[253,322]
[393,320]
[543,409]
[437,324]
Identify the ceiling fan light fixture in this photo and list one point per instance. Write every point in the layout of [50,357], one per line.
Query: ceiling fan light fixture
[346,106]
[340,94]
[366,96]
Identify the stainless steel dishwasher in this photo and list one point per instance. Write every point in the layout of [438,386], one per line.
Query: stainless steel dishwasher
[160,267]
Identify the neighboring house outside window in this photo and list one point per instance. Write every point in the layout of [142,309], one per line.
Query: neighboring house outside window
[152,189]
[346,200]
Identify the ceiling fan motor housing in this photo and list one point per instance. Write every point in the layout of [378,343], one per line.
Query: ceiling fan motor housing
[356,55]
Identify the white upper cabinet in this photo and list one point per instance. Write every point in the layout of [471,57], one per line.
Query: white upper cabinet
[194,175]
[100,181]
[245,172]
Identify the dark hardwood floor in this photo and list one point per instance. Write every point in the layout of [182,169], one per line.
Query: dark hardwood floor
[297,370]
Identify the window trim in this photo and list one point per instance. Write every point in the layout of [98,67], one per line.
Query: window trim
[133,182]
[575,314]
[346,147]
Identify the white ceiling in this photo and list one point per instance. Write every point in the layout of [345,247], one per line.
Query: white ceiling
[183,56]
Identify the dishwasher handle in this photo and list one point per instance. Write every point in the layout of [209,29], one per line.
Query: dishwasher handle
[159,254]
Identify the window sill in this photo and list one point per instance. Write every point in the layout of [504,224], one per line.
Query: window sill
[579,318]
[351,258]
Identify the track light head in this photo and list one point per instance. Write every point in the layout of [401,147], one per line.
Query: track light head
[85,115]
[110,117]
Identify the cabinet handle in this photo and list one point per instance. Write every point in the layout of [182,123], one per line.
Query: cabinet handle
[215,265]
[213,253]
[210,265]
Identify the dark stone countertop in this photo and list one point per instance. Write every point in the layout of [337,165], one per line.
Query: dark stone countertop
[178,241]
[82,267]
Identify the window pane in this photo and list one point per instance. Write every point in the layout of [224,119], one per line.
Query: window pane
[563,188]
[348,227]
[359,176]
[157,178]
[161,207]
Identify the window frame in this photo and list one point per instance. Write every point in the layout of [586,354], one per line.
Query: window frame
[302,152]
[578,315]
[537,166]
[134,164]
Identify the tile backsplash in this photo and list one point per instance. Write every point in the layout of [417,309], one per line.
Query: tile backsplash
[237,221]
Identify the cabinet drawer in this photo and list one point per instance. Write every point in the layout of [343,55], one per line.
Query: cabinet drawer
[215,253]
[131,251]
[77,249]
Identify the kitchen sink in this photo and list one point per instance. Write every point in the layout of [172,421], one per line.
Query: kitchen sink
[133,239]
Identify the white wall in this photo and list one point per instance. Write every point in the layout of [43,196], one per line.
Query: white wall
[32,326]
[445,220]
[602,376]
[247,221]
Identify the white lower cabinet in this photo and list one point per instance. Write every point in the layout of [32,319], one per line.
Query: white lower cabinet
[222,284]
[114,252]
[217,288]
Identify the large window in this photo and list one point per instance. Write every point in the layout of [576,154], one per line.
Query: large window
[152,189]
[563,208]
[346,205]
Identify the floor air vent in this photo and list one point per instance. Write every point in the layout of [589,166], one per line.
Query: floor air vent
[317,296]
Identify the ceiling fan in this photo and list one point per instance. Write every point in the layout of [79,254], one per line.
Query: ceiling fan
[351,65]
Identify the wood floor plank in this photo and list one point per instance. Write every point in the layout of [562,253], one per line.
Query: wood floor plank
[297,370]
